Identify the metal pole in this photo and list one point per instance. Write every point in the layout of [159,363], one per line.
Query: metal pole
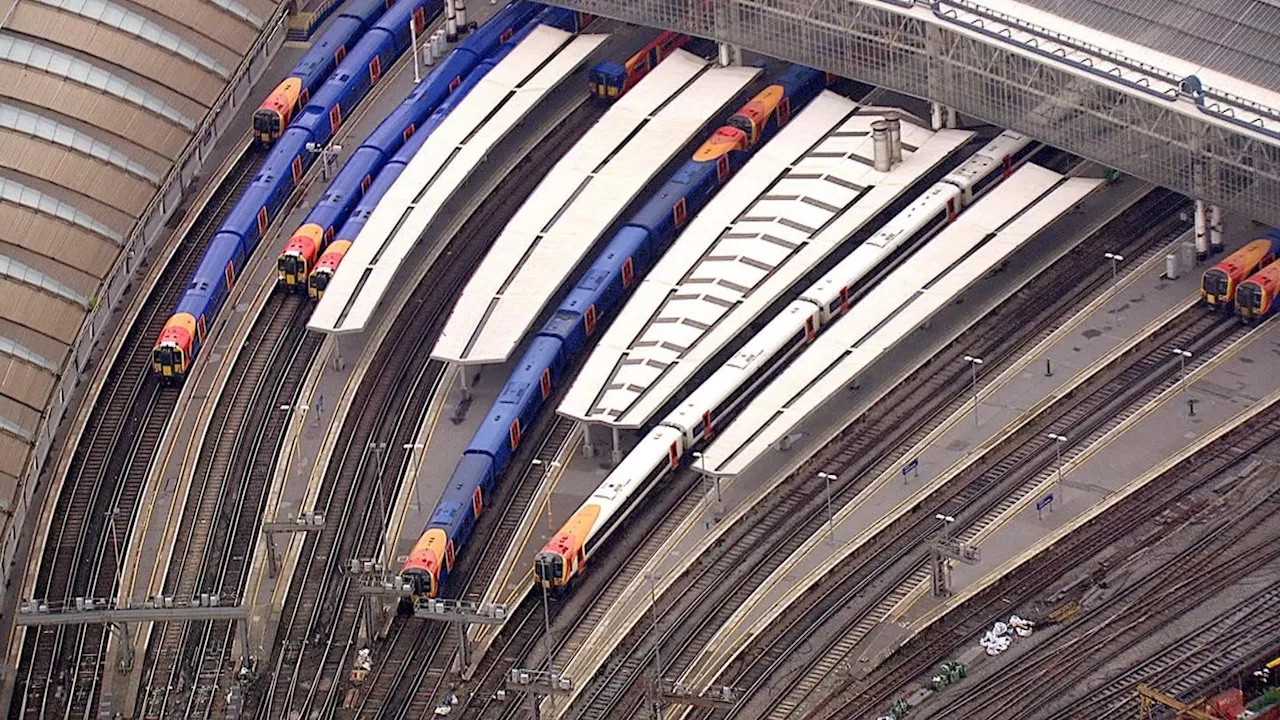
[413,47]
[831,519]
[546,627]
[115,542]
[657,646]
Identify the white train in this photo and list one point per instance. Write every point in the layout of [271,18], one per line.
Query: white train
[766,354]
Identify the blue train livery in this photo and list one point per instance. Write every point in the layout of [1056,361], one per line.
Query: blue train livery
[596,298]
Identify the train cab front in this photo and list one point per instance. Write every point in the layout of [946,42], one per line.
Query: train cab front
[565,555]
[1216,287]
[549,570]
[271,117]
[423,568]
[298,257]
[725,139]
[752,116]
[171,355]
[606,80]
[1251,301]
[326,266]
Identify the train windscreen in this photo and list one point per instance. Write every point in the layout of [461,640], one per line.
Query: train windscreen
[1249,296]
[266,121]
[1216,282]
[743,123]
[549,567]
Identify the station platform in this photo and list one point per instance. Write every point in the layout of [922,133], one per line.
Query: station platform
[498,104]
[310,425]
[1109,323]
[581,197]
[701,530]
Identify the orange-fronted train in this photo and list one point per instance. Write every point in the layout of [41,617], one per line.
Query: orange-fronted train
[296,89]
[585,311]
[1256,297]
[1218,286]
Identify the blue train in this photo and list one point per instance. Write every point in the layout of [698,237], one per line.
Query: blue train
[247,222]
[310,239]
[337,244]
[599,294]
[273,115]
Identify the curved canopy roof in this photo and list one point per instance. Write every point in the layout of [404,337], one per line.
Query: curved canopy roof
[98,99]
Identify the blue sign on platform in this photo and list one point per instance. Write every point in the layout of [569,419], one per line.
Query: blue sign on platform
[911,466]
[1044,502]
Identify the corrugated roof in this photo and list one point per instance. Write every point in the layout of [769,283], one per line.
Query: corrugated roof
[1238,37]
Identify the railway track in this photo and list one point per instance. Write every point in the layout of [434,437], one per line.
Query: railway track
[699,602]
[915,657]
[894,565]
[188,664]
[62,666]
[1060,662]
[421,654]
[319,630]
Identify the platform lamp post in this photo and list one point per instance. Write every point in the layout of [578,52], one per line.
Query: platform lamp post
[974,362]
[1183,356]
[1115,285]
[715,479]
[413,47]
[946,521]
[302,410]
[112,514]
[546,625]
[1057,446]
[831,518]
[379,449]
[550,470]
[414,461]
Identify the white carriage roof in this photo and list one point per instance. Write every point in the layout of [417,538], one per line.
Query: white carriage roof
[578,200]
[491,110]
[806,192]
[979,240]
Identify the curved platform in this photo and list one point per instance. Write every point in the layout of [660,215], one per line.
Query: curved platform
[444,163]
[577,202]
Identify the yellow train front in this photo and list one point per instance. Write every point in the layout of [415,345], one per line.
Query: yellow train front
[1218,286]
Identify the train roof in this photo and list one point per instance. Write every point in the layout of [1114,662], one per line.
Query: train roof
[966,250]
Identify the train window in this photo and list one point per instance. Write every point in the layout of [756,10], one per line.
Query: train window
[1249,296]
[743,123]
[1216,282]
